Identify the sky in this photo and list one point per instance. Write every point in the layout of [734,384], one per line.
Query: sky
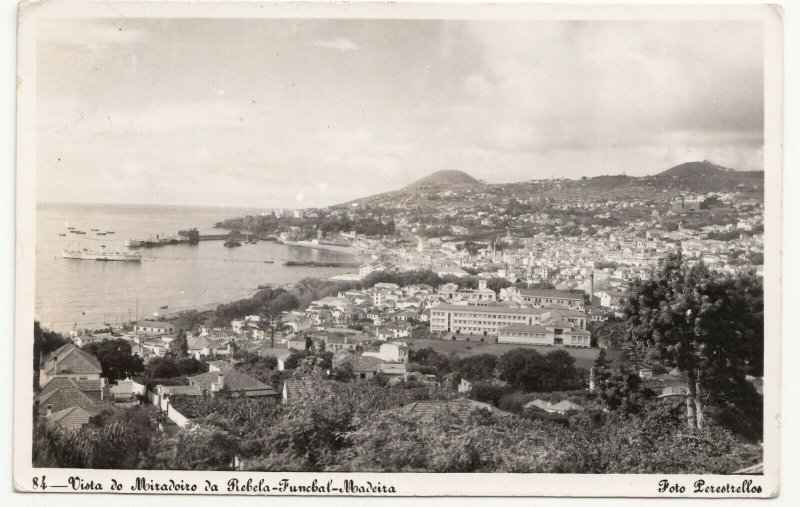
[306,113]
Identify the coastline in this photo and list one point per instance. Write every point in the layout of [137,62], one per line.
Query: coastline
[358,257]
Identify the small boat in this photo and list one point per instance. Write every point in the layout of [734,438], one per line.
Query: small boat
[101,233]
[270,261]
[70,228]
[109,232]
[94,230]
[163,307]
[61,234]
[79,232]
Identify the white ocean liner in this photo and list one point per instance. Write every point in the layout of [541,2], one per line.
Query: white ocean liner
[101,255]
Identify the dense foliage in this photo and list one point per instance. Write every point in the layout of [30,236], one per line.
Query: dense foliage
[707,324]
[44,342]
[108,441]
[116,359]
[357,426]
[528,370]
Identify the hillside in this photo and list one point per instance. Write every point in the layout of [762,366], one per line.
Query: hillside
[444,178]
[690,177]
[694,169]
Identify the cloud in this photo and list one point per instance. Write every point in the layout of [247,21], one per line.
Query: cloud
[94,35]
[549,89]
[338,44]
[505,101]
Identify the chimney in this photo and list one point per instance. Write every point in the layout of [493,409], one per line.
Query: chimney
[219,384]
[591,288]
[49,410]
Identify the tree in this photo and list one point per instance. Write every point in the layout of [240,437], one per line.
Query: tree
[204,448]
[709,325]
[161,367]
[180,346]
[188,320]
[522,368]
[480,367]
[44,342]
[116,359]
[528,370]
[343,372]
[488,393]
[559,371]
[601,361]
[620,388]
[270,320]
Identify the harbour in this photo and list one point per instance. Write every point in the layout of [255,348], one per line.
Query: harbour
[183,276]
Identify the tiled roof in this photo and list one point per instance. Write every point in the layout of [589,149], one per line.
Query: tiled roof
[393,368]
[70,359]
[565,312]
[197,343]
[72,417]
[232,379]
[361,363]
[490,309]
[296,389]
[62,393]
[460,408]
[544,293]
[94,385]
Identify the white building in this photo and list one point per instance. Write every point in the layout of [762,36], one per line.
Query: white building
[395,352]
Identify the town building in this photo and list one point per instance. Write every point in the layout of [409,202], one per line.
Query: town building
[556,334]
[229,379]
[539,298]
[394,352]
[153,327]
[486,320]
[70,362]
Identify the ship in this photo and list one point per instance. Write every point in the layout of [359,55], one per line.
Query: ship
[321,264]
[101,255]
[318,244]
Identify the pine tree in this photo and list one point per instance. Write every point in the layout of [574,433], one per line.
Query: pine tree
[709,325]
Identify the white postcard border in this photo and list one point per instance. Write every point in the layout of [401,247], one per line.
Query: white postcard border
[629,485]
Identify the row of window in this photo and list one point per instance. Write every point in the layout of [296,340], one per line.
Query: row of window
[521,334]
[485,316]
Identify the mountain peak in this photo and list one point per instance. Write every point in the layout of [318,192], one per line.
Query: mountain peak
[695,169]
[446,177]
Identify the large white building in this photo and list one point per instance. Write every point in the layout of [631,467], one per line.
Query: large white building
[554,334]
[487,320]
[540,298]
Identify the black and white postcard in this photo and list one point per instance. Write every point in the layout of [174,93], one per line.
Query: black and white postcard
[379,249]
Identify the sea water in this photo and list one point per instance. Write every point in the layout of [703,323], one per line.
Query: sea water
[81,293]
